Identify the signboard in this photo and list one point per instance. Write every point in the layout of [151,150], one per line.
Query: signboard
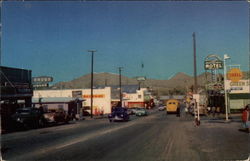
[234,74]
[76,94]
[15,82]
[94,96]
[141,78]
[42,79]
[214,86]
[40,85]
[213,64]
[242,86]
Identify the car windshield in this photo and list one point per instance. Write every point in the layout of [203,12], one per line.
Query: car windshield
[119,109]
[23,111]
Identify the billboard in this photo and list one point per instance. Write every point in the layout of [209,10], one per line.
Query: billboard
[15,82]
[42,79]
[234,74]
[214,64]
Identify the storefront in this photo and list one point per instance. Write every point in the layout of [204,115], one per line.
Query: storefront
[239,94]
[141,98]
[101,97]
[68,104]
[16,91]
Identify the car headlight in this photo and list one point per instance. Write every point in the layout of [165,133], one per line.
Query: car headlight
[121,115]
[19,119]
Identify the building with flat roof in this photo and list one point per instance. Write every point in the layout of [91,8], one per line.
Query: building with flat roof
[16,91]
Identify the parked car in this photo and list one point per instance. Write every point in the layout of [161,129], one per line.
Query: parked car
[28,117]
[119,114]
[56,116]
[161,108]
[130,111]
[133,110]
[86,111]
[141,112]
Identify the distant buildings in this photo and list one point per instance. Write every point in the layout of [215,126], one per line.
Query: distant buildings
[103,98]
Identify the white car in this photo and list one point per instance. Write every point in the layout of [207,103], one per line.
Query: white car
[161,108]
[141,112]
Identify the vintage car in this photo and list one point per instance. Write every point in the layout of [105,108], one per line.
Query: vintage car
[28,117]
[119,114]
[56,116]
[141,112]
[161,108]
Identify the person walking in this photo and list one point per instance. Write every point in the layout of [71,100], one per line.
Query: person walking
[245,118]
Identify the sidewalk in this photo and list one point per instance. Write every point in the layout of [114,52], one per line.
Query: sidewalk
[105,116]
[222,118]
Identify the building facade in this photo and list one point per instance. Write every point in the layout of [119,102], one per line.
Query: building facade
[101,97]
[239,94]
[16,91]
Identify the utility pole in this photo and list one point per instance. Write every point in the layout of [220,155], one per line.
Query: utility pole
[225,78]
[1,11]
[92,78]
[195,71]
[120,83]
[197,120]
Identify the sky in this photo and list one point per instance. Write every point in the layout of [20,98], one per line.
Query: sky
[53,38]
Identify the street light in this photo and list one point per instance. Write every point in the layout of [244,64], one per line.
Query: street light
[91,97]
[225,91]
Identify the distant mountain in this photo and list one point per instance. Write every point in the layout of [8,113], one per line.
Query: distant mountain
[179,82]
[100,79]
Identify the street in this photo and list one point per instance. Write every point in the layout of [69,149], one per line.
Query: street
[156,137]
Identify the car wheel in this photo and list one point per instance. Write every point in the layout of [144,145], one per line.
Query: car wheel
[41,123]
[26,126]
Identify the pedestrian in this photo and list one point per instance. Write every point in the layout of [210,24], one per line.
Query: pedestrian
[208,110]
[213,111]
[245,118]
[73,115]
[178,112]
[218,111]
[41,109]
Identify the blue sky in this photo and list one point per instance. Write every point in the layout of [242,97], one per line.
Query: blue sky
[52,38]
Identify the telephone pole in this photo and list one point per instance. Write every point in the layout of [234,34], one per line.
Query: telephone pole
[195,71]
[120,84]
[92,78]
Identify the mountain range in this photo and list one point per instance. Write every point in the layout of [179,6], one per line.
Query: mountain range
[179,83]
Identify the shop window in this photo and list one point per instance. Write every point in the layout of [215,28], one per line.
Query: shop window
[60,106]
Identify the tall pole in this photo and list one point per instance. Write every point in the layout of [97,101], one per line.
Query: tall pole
[92,78]
[1,11]
[195,71]
[120,84]
[225,90]
[195,78]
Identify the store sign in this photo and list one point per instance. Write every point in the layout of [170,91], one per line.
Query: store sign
[76,94]
[234,74]
[42,79]
[242,86]
[213,64]
[94,96]
[40,85]
[214,86]
[141,78]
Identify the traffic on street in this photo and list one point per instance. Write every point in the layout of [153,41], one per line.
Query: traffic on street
[155,137]
[124,80]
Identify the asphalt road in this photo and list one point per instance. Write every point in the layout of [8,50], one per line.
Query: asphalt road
[156,137]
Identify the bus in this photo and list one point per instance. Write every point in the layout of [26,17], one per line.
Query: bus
[172,106]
